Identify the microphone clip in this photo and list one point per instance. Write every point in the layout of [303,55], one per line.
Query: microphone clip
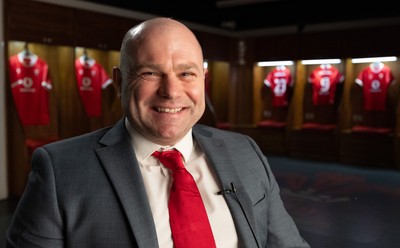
[227,191]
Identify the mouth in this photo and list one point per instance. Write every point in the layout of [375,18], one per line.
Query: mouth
[168,110]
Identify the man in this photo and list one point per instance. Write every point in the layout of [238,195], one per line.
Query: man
[104,189]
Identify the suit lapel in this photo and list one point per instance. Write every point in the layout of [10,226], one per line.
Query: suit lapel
[240,204]
[122,167]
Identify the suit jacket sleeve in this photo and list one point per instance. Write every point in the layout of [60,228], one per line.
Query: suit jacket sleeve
[84,191]
[37,221]
[274,227]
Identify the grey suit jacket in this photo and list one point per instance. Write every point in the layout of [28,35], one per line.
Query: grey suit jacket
[87,191]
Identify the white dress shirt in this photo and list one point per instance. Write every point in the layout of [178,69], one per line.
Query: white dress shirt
[157,181]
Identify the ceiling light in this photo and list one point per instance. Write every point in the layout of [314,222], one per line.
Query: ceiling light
[320,61]
[373,59]
[275,63]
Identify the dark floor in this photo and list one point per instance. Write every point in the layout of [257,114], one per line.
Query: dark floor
[334,205]
[341,206]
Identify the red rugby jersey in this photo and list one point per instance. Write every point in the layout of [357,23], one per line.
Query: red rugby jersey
[30,85]
[279,79]
[91,79]
[324,79]
[375,80]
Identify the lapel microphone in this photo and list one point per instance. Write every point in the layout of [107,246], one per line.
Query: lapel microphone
[227,191]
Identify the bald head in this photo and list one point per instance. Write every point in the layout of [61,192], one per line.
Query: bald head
[159,29]
[151,26]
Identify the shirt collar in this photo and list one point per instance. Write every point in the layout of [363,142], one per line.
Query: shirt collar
[144,148]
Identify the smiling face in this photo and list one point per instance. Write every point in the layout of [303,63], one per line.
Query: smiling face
[162,80]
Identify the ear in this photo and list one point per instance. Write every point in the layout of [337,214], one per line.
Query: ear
[117,79]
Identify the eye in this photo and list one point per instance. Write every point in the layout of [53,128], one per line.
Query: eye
[188,76]
[150,76]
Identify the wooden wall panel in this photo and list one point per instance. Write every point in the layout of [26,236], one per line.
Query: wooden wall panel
[280,47]
[322,45]
[111,106]
[220,89]
[372,42]
[39,22]
[215,47]
[101,31]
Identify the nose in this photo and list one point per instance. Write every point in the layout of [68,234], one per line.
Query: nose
[170,87]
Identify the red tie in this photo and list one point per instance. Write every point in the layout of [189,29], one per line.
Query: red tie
[187,216]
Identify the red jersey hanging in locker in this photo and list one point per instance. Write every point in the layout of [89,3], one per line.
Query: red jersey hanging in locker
[324,79]
[375,80]
[91,79]
[279,79]
[30,85]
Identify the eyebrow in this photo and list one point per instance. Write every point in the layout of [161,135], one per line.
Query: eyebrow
[182,66]
[186,66]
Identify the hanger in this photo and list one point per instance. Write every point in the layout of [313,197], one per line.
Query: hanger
[26,52]
[85,56]
[26,56]
[377,64]
[325,66]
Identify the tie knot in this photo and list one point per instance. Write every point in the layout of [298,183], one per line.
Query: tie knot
[172,159]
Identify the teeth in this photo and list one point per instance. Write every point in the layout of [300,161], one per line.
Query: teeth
[169,110]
